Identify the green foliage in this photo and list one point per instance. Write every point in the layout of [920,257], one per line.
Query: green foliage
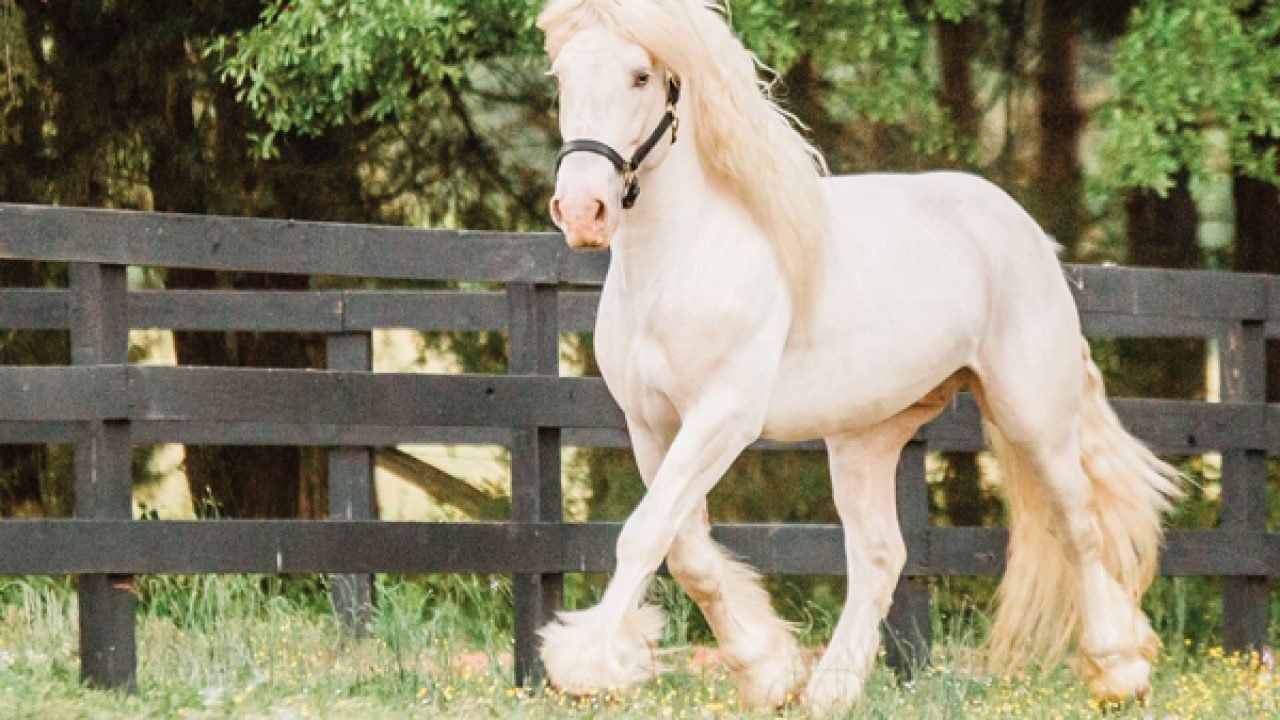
[261,649]
[1197,83]
[315,64]
[446,97]
[318,64]
[878,56]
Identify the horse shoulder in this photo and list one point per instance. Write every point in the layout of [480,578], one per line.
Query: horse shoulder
[673,354]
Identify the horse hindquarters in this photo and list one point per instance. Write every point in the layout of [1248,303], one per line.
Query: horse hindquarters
[1085,534]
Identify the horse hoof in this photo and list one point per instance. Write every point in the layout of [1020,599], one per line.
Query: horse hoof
[1117,681]
[830,691]
[773,678]
[585,653]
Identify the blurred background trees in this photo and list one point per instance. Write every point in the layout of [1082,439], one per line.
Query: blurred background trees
[1136,131]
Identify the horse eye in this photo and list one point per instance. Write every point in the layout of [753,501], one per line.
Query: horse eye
[641,79]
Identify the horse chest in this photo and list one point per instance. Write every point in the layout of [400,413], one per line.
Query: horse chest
[658,360]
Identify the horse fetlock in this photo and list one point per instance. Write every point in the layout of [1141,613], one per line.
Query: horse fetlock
[588,651]
[770,669]
[832,688]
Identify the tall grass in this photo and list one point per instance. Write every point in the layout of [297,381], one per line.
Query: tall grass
[439,646]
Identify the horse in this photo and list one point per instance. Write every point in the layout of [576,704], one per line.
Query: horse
[750,295]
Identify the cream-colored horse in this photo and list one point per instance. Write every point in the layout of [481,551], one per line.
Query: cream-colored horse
[749,297]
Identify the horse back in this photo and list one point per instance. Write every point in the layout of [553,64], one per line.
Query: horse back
[920,269]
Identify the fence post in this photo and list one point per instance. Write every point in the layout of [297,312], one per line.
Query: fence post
[352,494]
[1243,362]
[908,629]
[533,347]
[104,477]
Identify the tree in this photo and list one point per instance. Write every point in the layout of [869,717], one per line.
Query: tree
[1257,214]
[1257,246]
[1197,93]
[165,134]
[451,92]
[1059,182]
[1196,86]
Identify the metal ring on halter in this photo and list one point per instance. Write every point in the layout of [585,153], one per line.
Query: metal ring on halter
[627,168]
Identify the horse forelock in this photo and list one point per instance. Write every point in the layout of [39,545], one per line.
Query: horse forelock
[748,145]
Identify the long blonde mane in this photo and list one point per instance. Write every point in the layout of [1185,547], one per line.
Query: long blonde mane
[747,144]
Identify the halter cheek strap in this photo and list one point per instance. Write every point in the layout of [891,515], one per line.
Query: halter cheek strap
[627,168]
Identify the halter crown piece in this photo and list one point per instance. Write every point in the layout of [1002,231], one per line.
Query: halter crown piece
[627,168]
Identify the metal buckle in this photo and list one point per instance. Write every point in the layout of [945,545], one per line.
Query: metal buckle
[630,187]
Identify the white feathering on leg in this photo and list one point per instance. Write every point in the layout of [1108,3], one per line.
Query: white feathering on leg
[586,652]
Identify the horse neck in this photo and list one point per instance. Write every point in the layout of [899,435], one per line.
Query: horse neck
[676,200]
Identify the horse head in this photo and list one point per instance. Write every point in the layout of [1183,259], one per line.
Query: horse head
[616,105]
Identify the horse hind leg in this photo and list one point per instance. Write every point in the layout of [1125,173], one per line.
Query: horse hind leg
[1085,501]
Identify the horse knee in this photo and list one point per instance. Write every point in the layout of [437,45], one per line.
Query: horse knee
[633,547]
[894,556]
[885,554]
[874,566]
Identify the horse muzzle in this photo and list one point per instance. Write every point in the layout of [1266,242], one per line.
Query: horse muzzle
[585,220]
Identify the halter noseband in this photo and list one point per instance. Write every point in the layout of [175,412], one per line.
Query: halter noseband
[627,168]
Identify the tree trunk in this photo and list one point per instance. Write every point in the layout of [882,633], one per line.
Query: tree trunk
[1162,233]
[957,46]
[1257,249]
[1058,196]
[1162,230]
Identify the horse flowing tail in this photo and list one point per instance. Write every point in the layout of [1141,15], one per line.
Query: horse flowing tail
[1038,612]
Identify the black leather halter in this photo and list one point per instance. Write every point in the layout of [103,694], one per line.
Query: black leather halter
[627,168]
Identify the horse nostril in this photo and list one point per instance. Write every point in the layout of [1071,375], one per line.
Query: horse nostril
[599,211]
[556,216]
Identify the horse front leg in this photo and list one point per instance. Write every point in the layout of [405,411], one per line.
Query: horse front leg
[759,647]
[615,643]
[862,480]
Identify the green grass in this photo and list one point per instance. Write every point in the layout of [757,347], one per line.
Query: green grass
[263,647]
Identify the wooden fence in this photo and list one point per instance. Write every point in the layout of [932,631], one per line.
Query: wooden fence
[103,405]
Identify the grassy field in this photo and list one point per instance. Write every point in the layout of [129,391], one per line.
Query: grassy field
[262,647]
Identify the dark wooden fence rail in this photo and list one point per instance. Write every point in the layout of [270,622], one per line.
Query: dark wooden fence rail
[103,405]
